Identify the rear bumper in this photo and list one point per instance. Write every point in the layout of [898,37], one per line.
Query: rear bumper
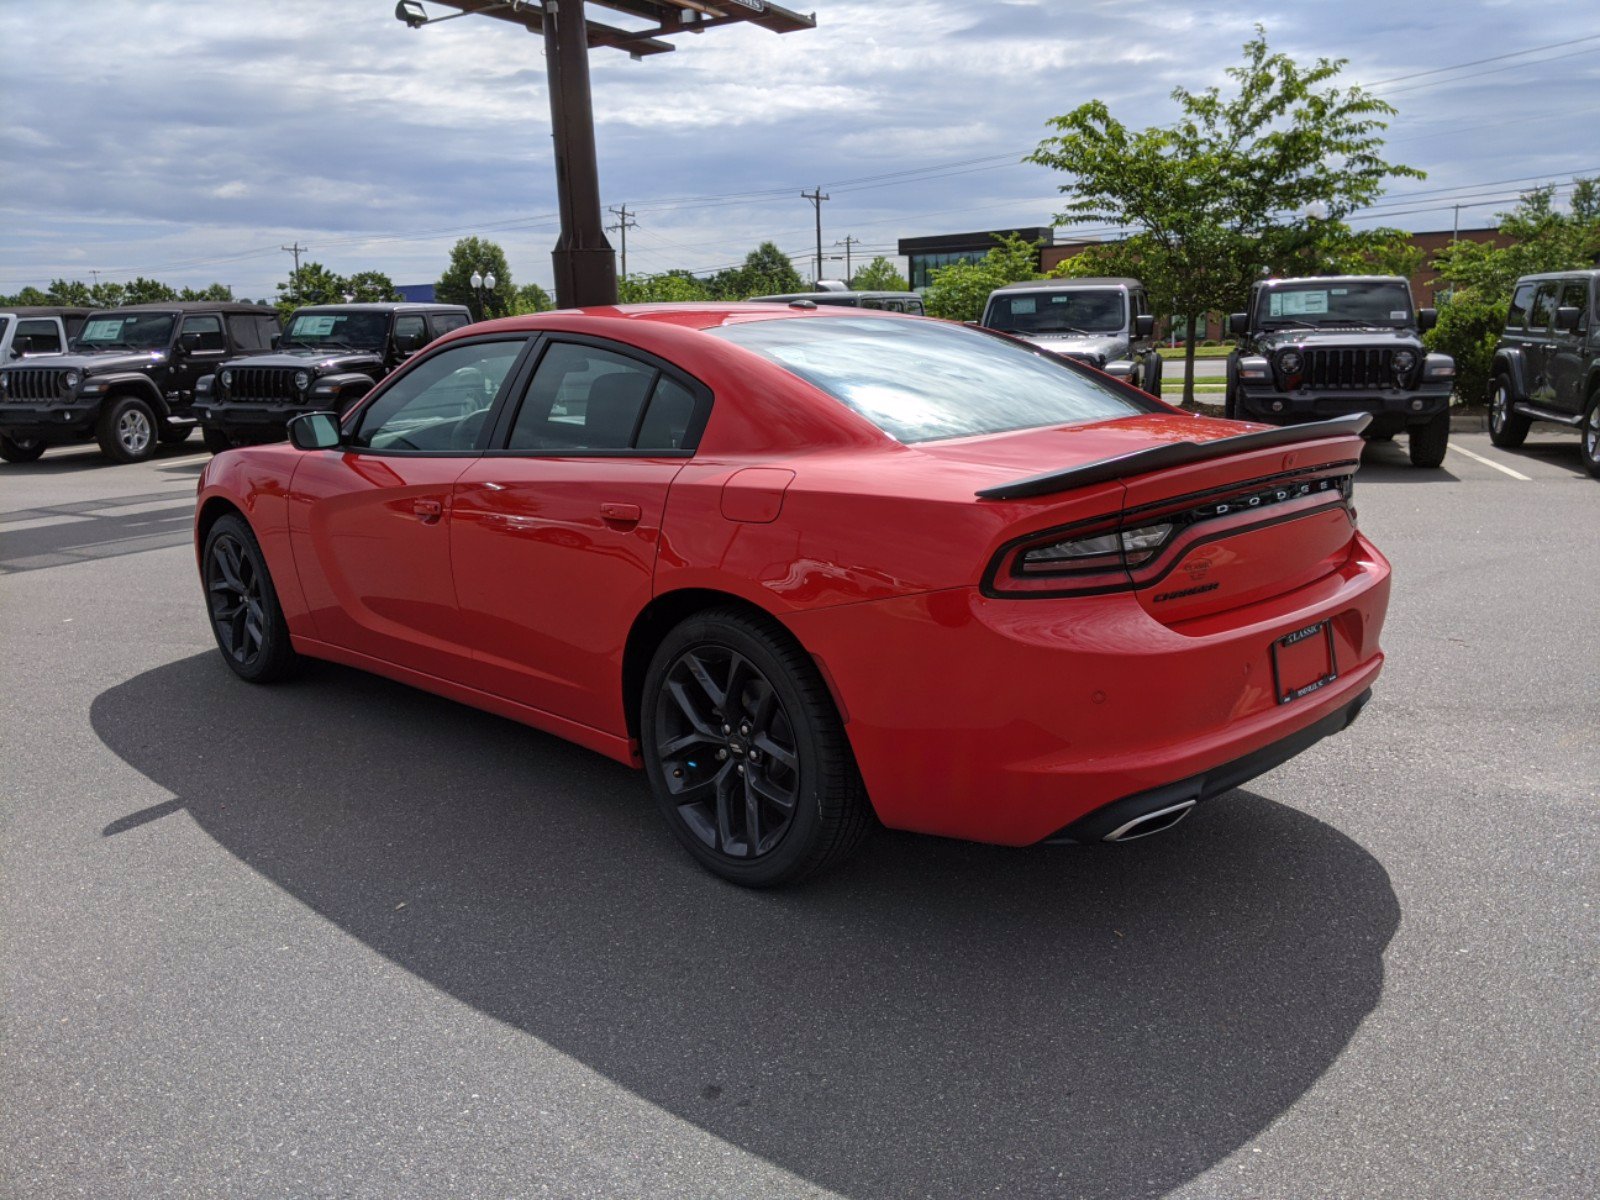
[1415,407]
[1007,721]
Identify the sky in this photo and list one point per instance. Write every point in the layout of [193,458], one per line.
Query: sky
[188,141]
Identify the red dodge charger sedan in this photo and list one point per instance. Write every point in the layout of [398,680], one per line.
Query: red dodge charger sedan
[812,566]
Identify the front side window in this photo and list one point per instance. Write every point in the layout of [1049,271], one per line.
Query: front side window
[1521,301]
[442,403]
[1335,302]
[43,337]
[337,330]
[1543,309]
[583,398]
[203,334]
[1081,311]
[410,334]
[918,381]
[126,331]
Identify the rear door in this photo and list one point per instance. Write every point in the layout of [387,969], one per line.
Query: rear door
[371,520]
[1540,342]
[555,530]
[1565,367]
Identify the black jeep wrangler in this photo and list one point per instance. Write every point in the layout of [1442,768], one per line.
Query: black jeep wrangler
[1547,364]
[329,357]
[128,379]
[1322,347]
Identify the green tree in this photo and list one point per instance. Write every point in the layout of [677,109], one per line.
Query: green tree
[371,287]
[29,296]
[217,293]
[74,292]
[312,283]
[667,287]
[1217,196]
[958,292]
[531,298]
[108,295]
[766,271]
[484,257]
[879,275]
[140,290]
[1478,276]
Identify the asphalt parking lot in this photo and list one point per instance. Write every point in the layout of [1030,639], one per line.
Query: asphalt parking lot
[339,938]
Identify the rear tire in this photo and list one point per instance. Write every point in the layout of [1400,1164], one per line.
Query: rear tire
[1507,429]
[127,430]
[1427,443]
[746,754]
[1230,405]
[20,450]
[246,618]
[1589,448]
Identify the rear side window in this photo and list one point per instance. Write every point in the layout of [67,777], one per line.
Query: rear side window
[1521,299]
[443,323]
[918,381]
[250,332]
[583,398]
[1575,294]
[43,336]
[1544,307]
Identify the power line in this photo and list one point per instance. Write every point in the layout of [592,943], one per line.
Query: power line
[1480,61]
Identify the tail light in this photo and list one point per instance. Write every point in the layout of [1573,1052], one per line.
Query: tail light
[1129,550]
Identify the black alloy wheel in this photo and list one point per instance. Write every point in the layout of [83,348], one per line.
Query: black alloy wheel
[20,450]
[745,751]
[245,617]
[1507,429]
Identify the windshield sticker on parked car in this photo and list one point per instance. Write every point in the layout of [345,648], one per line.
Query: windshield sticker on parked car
[1297,304]
[1022,304]
[314,326]
[102,331]
[1399,314]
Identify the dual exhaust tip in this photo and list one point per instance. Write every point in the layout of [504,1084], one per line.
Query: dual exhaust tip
[1150,823]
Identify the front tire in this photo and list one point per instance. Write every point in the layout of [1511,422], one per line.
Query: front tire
[1427,443]
[216,441]
[246,618]
[1507,429]
[127,430]
[746,754]
[20,450]
[175,435]
[1153,376]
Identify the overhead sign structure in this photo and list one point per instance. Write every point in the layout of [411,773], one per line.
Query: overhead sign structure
[585,267]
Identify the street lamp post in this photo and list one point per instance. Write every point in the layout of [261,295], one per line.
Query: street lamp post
[480,284]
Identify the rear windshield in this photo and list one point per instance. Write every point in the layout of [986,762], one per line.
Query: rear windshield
[1081,310]
[921,380]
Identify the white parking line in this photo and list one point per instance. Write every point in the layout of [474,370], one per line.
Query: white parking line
[1489,462]
[179,462]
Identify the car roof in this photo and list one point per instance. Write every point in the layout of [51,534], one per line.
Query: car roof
[702,314]
[385,306]
[43,310]
[1072,281]
[1578,273]
[1327,278]
[790,297]
[188,306]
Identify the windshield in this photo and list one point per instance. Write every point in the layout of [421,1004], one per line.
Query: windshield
[345,331]
[1081,310]
[125,331]
[1335,302]
[920,380]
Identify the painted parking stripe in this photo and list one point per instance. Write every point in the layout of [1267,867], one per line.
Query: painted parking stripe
[1489,462]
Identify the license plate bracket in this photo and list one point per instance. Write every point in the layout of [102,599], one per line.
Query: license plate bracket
[1304,662]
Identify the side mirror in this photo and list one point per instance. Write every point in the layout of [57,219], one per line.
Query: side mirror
[1567,318]
[1427,318]
[1239,324]
[314,431]
[1144,325]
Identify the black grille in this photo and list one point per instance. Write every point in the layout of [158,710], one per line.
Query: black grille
[1353,368]
[263,383]
[35,383]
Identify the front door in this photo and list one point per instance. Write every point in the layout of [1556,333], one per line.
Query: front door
[201,349]
[555,532]
[371,520]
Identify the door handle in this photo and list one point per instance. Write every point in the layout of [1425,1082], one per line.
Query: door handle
[622,514]
[428,511]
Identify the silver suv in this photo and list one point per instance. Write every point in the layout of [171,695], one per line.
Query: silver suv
[1103,322]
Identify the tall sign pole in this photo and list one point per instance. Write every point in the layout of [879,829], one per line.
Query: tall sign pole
[585,267]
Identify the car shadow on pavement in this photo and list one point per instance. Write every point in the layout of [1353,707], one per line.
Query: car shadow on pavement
[88,529]
[65,460]
[935,1019]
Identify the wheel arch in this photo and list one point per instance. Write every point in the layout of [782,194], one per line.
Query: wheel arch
[661,616]
[213,509]
[1509,363]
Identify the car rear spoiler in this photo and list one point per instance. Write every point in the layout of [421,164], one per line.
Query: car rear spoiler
[1174,454]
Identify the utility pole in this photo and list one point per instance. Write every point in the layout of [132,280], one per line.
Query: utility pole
[297,250]
[624,223]
[847,244]
[1455,226]
[817,197]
